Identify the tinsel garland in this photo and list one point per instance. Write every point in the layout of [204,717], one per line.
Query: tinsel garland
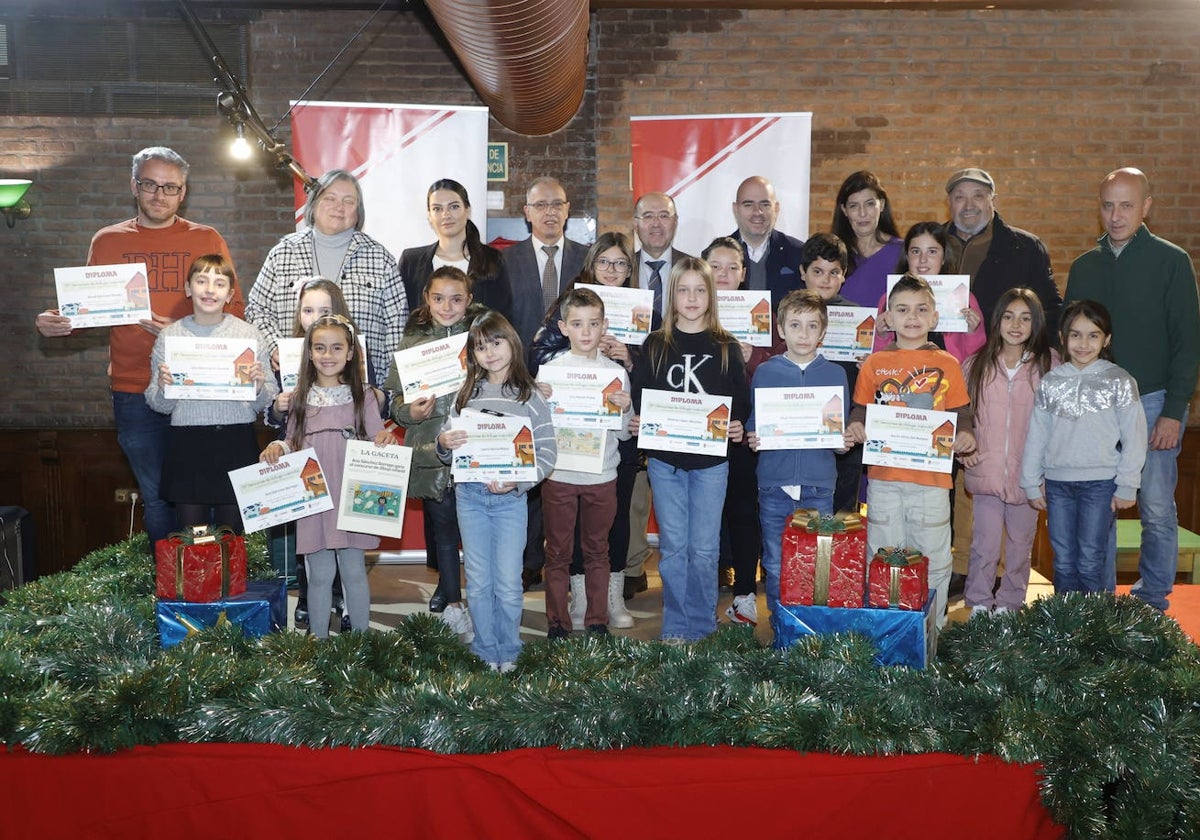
[1103,691]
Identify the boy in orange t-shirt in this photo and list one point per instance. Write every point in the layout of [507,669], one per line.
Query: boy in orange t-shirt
[906,507]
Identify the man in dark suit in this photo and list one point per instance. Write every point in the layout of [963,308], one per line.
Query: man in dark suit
[654,221]
[542,266]
[539,269]
[772,257]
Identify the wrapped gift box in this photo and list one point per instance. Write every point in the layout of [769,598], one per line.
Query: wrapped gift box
[259,610]
[200,565]
[824,560]
[902,637]
[898,579]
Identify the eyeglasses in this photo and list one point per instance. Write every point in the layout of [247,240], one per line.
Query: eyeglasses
[660,216]
[545,206]
[151,187]
[615,265]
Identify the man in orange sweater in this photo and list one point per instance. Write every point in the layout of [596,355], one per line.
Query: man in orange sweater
[167,245]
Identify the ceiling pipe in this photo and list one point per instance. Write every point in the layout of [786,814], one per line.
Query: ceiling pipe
[526,58]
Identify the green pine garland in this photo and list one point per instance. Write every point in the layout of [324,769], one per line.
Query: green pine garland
[1104,692]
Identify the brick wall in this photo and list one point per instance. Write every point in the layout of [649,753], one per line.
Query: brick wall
[1048,101]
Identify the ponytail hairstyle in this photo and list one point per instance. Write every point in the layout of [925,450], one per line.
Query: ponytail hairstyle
[482,261]
[352,375]
[492,326]
[421,317]
[666,341]
[986,363]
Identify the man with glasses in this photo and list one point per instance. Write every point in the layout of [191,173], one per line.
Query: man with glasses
[167,245]
[772,257]
[654,222]
[542,266]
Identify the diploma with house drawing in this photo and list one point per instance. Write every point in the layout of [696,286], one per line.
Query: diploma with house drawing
[952,292]
[270,494]
[103,295]
[580,396]
[209,368]
[746,314]
[850,336]
[678,422]
[629,312]
[499,447]
[374,488]
[800,418]
[433,368]
[898,436]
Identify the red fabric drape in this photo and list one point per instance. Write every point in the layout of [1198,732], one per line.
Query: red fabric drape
[269,791]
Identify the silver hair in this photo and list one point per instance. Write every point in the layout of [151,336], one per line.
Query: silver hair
[324,183]
[159,153]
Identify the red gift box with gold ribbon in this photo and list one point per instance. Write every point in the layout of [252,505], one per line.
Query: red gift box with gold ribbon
[898,578]
[200,565]
[824,560]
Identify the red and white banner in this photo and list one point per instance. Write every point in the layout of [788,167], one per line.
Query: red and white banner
[396,152]
[700,161]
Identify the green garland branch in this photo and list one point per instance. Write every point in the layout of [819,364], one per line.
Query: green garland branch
[1104,692]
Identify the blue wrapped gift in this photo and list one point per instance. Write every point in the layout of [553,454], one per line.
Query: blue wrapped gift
[902,637]
[259,610]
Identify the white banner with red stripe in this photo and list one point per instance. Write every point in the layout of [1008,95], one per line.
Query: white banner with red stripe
[396,152]
[700,161]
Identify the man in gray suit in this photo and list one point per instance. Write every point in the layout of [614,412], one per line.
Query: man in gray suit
[654,221]
[542,266]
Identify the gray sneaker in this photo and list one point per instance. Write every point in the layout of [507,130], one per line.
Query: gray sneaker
[459,620]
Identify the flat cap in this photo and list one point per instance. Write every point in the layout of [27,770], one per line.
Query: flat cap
[975,174]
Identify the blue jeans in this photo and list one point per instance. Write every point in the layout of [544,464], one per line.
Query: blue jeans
[142,435]
[1081,523]
[1160,520]
[493,536]
[688,505]
[775,509]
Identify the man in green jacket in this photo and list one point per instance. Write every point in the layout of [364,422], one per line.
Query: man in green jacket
[1149,287]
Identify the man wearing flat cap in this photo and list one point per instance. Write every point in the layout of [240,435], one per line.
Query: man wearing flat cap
[996,256]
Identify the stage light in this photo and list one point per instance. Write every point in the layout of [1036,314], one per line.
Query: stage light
[240,148]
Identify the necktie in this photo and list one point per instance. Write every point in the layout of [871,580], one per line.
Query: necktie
[656,282]
[549,278]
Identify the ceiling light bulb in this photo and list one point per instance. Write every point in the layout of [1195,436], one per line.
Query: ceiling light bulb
[240,148]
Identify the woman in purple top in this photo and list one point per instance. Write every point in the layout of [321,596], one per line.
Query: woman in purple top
[862,218]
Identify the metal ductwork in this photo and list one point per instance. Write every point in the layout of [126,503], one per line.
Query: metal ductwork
[526,58]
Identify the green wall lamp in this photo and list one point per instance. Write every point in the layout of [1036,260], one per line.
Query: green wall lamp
[12,199]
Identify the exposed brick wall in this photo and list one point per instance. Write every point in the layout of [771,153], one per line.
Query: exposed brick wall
[1048,101]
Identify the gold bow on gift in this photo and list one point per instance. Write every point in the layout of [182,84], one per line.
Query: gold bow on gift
[897,558]
[201,535]
[823,523]
[824,526]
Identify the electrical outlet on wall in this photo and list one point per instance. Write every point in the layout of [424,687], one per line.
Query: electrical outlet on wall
[123,496]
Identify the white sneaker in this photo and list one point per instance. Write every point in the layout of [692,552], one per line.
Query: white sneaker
[999,610]
[577,602]
[744,610]
[979,610]
[507,667]
[459,620]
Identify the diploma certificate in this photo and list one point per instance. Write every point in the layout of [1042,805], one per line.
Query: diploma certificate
[800,418]
[209,368]
[910,438]
[952,293]
[679,422]
[746,314]
[290,489]
[374,488]
[580,396]
[103,295]
[629,312]
[433,368]
[850,336]
[581,450]
[498,448]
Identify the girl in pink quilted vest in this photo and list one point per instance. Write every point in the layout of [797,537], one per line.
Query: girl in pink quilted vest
[1002,379]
